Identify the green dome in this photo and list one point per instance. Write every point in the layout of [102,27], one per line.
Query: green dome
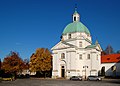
[76,27]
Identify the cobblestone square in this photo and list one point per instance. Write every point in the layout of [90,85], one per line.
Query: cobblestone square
[52,82]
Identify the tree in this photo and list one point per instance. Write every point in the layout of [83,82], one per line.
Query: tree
[103,53]
[12,63]
[40,61]
[109,50]
[26,64]
[118,52]
[0,64]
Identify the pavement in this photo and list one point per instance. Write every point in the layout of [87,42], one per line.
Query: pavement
[59,82]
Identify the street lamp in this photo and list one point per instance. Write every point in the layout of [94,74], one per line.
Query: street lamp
[85,70]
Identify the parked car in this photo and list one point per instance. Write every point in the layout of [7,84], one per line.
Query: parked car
[94,78]
[76,78]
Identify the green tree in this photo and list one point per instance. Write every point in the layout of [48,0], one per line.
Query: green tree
[40,61]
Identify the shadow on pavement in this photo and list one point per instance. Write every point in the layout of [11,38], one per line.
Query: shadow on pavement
[115,81]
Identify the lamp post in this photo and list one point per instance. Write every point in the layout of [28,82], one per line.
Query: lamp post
[85,70]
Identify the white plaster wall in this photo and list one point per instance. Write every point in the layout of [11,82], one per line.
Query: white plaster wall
[72,58]
[108,71]
[77,17]
[77,35]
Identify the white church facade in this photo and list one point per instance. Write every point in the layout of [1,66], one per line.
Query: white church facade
[75,54]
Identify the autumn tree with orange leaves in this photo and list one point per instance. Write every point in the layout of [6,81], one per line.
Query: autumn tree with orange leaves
[40,61]
[13,63]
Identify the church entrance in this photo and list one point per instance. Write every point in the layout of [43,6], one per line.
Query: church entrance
[62,71]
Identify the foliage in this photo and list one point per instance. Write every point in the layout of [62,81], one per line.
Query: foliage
[40,60]
[118,52]
[0,64]
[26,64]
[12,63]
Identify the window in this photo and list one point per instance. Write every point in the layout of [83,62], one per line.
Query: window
[88,56]
[80,44]
[103,71]
[62,56]
[69,36]
[74,18]
[80,56]
[63,67]
[97,57]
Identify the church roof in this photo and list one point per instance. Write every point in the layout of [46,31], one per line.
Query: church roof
[76,27]
[91,46]
[111,58]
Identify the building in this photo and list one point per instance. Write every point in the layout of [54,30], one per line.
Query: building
[110,64]
[75,54]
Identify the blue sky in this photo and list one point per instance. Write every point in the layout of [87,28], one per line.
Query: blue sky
[26,25]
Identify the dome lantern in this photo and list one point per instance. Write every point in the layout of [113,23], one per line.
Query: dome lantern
[76,16]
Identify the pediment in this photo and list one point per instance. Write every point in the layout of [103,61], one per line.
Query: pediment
[98,47]
[60,45]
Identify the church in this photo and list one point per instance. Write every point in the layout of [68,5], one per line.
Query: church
[75,54]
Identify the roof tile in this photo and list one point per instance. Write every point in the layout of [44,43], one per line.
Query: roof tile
[111,58]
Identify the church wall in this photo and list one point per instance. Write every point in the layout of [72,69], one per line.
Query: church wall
[77,43]
[74,65]
[72,42]
[94,61]
[72,60]
[65,37]
[68,62]
[87,43]
[80,64]
[77,35]
[55,67]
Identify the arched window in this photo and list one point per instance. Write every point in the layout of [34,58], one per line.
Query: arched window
[62,56]
[103,71]
[74,18]
[80,44]
[69,36]
[88,56]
